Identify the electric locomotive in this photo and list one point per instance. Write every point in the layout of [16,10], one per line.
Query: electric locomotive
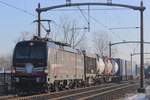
[29,64]
[41,65]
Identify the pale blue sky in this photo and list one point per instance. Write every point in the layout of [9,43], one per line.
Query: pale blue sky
[13,22]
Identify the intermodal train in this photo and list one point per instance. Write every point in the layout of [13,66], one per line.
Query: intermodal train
[41,65]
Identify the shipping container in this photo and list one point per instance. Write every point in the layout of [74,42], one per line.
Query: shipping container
[121,69]
[108,66]
[100,66]
[115,66]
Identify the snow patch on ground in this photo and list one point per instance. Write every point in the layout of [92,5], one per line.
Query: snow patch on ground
[138,96]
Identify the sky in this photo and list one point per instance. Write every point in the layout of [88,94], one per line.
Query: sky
[17,16]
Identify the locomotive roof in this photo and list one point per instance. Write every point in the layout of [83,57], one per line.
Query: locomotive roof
[62,46]
[55,44]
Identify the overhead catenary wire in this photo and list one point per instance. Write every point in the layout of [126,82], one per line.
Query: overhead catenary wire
[82,13]
[106,27]
[97,21]
[81,10]
[22,10]
[17,8]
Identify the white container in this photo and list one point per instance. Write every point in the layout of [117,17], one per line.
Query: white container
[100,66]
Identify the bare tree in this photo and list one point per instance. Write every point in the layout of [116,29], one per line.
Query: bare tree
[71,34]
[101,43]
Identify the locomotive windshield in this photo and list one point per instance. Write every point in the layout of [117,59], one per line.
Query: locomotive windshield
[30,50]
[34,52]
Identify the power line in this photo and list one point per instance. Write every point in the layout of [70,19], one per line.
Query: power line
[17,8]
[82,13]
[22,10]
[81,10]
[106,27]
[97,21]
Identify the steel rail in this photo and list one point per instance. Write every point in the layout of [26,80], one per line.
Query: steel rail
[60,93]
[91,97]
[89,92]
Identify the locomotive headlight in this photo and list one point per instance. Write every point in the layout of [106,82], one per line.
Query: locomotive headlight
[31,44]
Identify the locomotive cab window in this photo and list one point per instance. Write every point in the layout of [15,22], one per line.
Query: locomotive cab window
[34,52]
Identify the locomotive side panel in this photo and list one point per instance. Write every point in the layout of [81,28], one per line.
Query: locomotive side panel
[51,60]
[64,65]
[79,66]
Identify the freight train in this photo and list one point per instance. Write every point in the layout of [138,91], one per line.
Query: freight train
[41,65]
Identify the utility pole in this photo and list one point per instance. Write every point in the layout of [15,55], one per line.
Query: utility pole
[109,49]
[39,21]
[68,2]
[131,63]
[141,89]
[84,54]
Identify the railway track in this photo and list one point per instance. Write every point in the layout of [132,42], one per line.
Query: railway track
[74,94]
[89,93]
[62,93]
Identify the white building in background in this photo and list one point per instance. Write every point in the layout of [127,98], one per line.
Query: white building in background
[2,70]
